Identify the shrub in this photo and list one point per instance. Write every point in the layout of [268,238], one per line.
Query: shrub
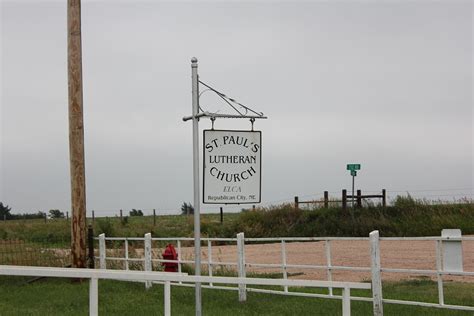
[135,212]
[56,214]
[187,209]
[105,227]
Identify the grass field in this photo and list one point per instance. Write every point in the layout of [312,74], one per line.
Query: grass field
[406,217]
[64,297]
[58,230]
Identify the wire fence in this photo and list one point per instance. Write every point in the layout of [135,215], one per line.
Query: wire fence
[27,253]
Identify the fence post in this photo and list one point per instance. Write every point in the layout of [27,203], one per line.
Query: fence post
[126,254]
[154,217]
[283,263]
[327,247]
[93,297]
[326,199]
[376,277]
[241,266]
[102,263]
[222,215]
[179,258]
[346,301]
[167,298]
[90,242]
[147,257]
[297,204]
[121,219]
[384,198]
[359,198]
[344,199]
[209,259]
[439,268]
[93,217]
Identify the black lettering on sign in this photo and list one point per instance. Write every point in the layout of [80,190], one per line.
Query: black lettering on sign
[232,177]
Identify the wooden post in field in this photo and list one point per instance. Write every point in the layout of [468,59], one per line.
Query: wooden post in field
[297,204]
[326,199]
[344,199]
[359,198]
[154,217]
[76,136]
[222,215]
[121,219]
[384,198]
[93,217]
[90,245]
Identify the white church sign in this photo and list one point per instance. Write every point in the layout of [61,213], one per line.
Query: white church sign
[232,166]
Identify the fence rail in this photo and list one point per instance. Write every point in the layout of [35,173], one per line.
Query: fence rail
[242,264]
[167,278]
[344,198]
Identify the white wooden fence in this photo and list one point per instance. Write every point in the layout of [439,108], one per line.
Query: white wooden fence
[375,267]
[168,278]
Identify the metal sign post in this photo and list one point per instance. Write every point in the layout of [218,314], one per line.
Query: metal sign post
[353,169]
[197,113]
[197,204]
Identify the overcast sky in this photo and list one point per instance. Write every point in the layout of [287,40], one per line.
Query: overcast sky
[384,84]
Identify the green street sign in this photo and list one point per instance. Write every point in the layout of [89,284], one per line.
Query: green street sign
[353,167]
[353,173]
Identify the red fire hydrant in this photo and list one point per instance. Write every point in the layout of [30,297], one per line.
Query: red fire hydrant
[170,254]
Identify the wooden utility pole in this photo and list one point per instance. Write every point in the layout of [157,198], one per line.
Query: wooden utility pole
[76,136]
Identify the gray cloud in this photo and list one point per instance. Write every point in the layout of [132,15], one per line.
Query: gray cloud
[388,85]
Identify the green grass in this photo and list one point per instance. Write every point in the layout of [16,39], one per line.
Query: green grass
[58,230]
[406,217]
[63,297]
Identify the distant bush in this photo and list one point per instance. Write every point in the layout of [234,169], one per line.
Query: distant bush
[105,226]
[135,212]
[5,211]
[407,217]
[187,209]
[56,214]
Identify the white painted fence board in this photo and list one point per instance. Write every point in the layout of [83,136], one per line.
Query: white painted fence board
[148,266]
[376,277]
[102,252]
[167,298]
[93,297]
[452,250]
[241,266]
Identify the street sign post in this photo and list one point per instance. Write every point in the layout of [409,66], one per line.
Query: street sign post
[353,167]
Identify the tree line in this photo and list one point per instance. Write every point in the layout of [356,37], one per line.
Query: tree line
[5,214]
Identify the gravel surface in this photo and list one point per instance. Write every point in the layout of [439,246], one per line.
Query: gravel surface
[394,254]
